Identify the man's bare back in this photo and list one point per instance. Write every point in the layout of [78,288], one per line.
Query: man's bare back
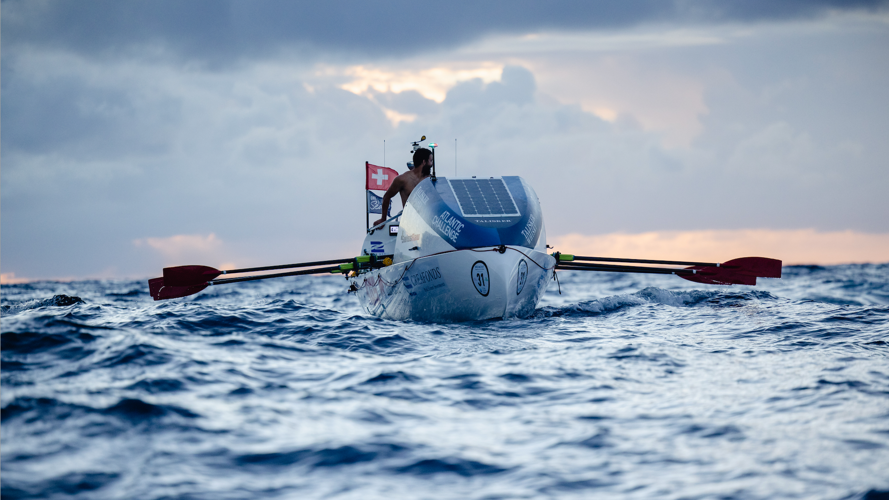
[408,182]
[404,184]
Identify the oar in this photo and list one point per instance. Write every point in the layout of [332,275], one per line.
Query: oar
[195,275]
[743,271]
[625,269]
[568,257]
[182,281]
[161,291]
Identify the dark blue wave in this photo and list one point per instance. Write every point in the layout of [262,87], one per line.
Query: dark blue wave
[54,301]
[44,409]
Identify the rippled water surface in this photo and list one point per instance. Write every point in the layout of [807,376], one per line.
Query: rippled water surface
[621,387]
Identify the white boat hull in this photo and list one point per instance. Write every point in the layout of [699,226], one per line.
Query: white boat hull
[458,285]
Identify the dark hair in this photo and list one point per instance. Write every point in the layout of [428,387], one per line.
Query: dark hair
[420,156]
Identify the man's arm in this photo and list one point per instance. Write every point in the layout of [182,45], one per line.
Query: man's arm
[394,189]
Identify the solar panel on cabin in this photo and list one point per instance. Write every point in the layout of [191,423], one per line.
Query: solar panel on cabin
[483,197]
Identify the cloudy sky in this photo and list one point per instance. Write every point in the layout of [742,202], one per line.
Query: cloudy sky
[138,134]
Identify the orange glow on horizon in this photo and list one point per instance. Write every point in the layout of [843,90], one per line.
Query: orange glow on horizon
[800,246]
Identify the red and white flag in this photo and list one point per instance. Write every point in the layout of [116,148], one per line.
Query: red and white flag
[379,178]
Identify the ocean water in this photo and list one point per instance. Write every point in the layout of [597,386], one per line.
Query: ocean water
[622,386]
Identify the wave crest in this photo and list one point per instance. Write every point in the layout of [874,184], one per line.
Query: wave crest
[56,301]
[651,295]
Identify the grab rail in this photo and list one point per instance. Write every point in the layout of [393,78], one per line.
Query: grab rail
[371,229]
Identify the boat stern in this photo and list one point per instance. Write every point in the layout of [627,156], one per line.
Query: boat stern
[459,285]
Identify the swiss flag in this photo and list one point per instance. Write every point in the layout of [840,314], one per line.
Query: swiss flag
[379,178]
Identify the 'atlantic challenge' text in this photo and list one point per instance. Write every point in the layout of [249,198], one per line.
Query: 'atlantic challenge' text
[448,224]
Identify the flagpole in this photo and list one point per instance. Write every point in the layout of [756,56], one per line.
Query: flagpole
[366,202]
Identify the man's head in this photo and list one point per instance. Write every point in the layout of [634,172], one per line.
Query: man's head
[423,155]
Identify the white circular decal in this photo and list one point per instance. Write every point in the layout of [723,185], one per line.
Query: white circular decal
[522,277]
[480,278]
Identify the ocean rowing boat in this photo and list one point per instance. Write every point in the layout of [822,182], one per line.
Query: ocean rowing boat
[461,250]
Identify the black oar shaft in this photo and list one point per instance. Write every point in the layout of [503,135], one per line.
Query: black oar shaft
[645,261]
[571,266]
[289,266]
[320,270]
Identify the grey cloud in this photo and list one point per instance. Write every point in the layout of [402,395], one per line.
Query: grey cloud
[102,163]
[224,31]
[67,115]
[516,86]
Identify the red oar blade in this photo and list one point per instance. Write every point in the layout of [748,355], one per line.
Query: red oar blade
[743,271]
[160,291]
[755,266]
[189,275]
[718,276]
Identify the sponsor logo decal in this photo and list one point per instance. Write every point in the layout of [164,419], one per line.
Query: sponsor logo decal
[422,196]
[423,277]
[480,278]
[448,224]
[522,277]
[491,221]
[528,232]
[428,281]
[376,247]
[409,237]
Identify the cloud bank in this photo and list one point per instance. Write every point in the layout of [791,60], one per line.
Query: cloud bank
[223,31]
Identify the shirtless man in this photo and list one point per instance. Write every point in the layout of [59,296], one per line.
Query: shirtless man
[406,182]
